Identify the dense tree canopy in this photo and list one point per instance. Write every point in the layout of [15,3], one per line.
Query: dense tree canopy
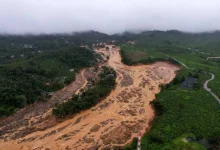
[24,82]
[90,97]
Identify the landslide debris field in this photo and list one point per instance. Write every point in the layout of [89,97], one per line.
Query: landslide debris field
[114,122]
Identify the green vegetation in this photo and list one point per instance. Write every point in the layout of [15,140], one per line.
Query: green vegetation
[19,47]
[26,81]
[191,111]
[31,65]
[90,97]
[181,111]
[191,49]
[131,55]
[131,146]
[183,143]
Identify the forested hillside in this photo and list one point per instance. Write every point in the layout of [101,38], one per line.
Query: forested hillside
[19,47]
[24,82]
[91,96]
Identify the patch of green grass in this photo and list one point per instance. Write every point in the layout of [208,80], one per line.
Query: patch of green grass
[182,143]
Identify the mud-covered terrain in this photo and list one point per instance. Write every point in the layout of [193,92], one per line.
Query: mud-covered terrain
[114,122]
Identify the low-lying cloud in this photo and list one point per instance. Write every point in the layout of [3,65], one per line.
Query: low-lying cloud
[109,16]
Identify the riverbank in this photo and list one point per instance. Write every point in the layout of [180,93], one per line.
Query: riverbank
[114,121]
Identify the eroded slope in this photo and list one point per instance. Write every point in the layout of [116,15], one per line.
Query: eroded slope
[114,121]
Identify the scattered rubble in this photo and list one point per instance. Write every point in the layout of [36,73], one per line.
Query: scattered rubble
[113,122]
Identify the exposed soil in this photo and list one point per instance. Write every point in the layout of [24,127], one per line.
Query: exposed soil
[112,122]
[38,115]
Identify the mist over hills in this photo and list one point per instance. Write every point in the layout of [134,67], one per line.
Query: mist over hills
[96,32]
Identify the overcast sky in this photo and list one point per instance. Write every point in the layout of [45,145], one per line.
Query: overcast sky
[109,16]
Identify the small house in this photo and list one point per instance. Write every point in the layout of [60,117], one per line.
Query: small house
[189,83]
[71,70]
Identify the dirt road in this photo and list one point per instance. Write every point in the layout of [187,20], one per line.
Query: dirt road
[212,58]
[115,121]
[205,85]
[208,89]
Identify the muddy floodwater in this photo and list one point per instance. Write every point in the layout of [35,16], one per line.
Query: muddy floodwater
[114,122]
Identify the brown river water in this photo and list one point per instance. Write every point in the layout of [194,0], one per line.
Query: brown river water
[113,122]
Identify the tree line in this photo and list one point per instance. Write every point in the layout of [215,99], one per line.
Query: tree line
[90,97]
[25,82]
